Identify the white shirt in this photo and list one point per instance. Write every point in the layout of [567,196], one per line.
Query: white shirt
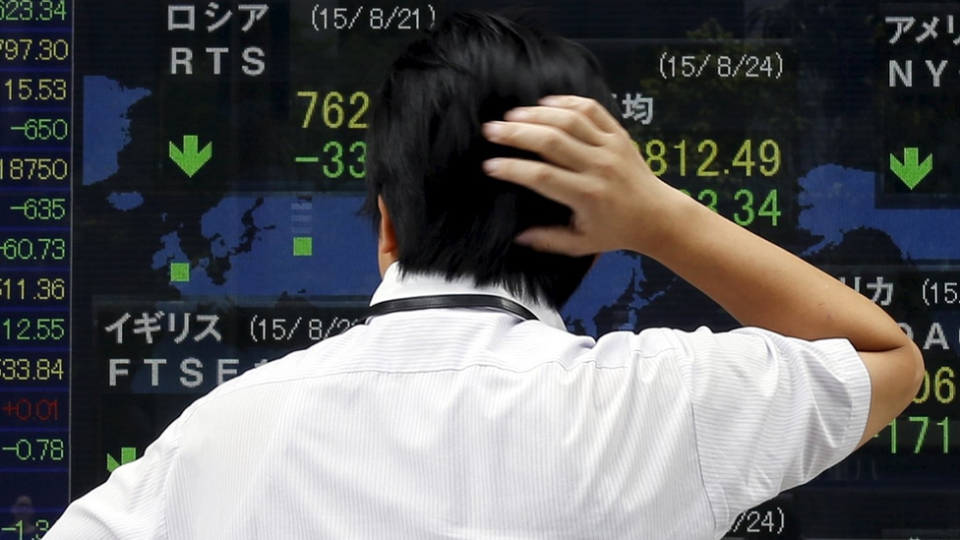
[475,424]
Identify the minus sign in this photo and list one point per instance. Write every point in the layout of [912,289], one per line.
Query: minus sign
[307,159]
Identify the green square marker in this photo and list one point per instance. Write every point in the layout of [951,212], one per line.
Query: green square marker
[179,272]
[302,246]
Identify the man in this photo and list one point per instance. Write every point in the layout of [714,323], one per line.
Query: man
[24,525]
[463,408]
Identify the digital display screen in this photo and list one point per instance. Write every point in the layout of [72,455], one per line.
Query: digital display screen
[179,186]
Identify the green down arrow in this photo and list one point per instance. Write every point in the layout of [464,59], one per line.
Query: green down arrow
[127,454]
[191,159]
[910,170]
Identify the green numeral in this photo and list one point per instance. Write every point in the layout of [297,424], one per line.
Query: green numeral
[770,207]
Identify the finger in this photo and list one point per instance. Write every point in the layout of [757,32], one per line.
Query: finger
[552,182]
[597,113]
[553,239]
[578,125]
[552,144]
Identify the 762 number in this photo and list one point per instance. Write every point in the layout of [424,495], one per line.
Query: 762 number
[332,109]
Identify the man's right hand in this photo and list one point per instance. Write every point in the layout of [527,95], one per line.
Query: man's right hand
[593,167]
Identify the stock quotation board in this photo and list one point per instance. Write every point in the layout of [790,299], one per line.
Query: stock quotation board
[179,186]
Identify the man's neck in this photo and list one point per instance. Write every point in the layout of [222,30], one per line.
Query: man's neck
[397,284]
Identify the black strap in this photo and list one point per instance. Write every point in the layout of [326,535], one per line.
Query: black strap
[451,301]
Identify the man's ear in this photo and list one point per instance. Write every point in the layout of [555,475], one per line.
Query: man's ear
[387,243]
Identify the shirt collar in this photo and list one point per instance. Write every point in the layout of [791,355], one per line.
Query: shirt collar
[395,286]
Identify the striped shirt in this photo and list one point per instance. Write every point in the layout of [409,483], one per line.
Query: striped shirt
[476,424]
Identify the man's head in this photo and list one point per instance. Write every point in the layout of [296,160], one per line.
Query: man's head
[425,151]
[22,509]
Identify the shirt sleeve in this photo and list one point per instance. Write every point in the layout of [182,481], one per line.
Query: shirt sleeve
[130,505]
[770,412]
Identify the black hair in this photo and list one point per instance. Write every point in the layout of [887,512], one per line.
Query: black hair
[425,150]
